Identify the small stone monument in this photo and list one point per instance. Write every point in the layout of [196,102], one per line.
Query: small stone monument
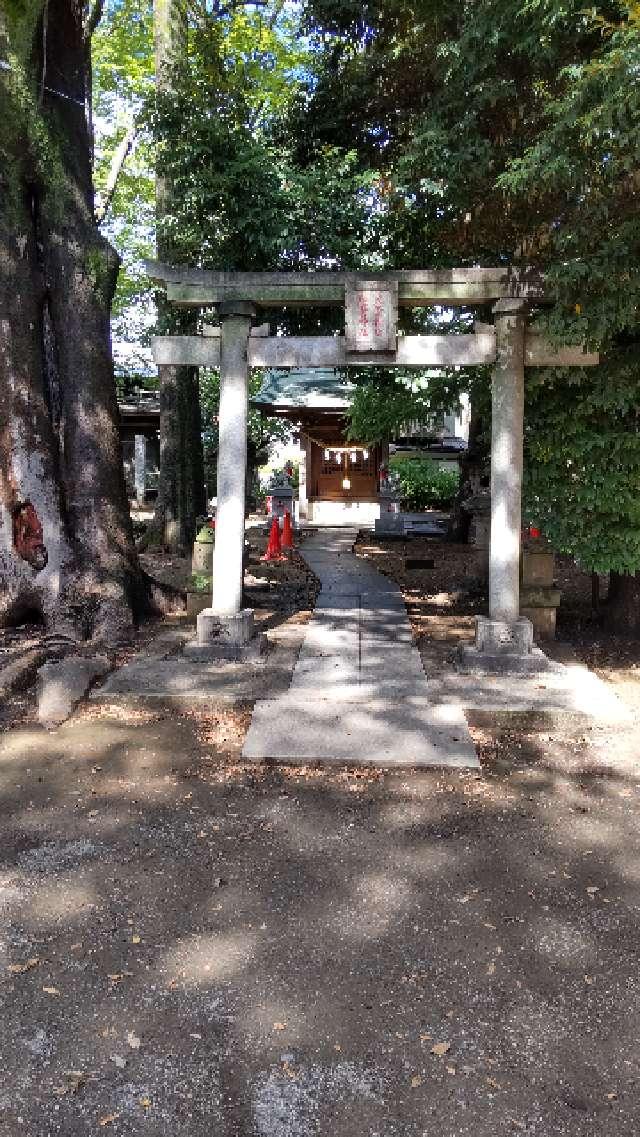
[202,556]
[391,519]
[539,597]
[479,507]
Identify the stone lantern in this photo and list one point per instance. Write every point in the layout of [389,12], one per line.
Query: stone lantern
[391,518]
[280,497]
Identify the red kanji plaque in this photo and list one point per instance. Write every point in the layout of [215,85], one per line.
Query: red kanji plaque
[371,310]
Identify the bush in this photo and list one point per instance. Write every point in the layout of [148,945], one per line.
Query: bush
[424,484]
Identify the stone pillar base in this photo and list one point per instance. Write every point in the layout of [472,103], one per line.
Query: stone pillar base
[503,648]
[499,636]
[226,637]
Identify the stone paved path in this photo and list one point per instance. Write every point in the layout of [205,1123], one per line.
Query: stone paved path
[358,692]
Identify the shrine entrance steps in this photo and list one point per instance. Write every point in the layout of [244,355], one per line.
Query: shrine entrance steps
[358,692]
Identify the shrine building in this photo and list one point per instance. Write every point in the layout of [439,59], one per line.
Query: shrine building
[339,478]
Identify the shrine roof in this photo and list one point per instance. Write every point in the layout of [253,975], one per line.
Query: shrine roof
[306,388]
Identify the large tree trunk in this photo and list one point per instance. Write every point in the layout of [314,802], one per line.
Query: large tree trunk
[181,495]
[622,610]
[66,543]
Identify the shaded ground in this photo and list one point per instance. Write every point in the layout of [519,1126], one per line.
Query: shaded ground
[193,946]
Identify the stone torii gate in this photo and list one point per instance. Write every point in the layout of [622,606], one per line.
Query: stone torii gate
[371,301]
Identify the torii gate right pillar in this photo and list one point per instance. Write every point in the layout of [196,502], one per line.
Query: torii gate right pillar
[507,422]
[504,641]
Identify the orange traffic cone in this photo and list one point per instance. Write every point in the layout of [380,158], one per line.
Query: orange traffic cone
[274,552]
[287,531]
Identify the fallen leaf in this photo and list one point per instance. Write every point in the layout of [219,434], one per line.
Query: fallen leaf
[279,1026]
[120,1062]
[612,1096]
[51,990]
[416,1081]
[492,1082]
[102,1121]
[592,889]
[133,1040]
[491,969]
[145,1102]
[451,1069]
[440,1049]
[75,1081]
[135,939]
[28,965]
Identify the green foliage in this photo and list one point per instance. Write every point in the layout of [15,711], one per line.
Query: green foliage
[582,484]
[412,133]
[387,402]
[123,82]
[199,582]
[425,484]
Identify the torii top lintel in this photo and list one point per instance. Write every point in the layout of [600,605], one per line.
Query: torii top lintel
[193,287]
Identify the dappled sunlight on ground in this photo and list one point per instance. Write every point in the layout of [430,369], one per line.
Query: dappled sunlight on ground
[279,951]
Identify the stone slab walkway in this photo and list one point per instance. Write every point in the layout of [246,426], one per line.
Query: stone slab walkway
[162,674]
[358,692]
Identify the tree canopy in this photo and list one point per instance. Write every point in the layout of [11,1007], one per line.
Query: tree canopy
[404,134]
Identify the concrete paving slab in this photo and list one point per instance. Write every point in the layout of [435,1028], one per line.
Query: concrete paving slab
[178,681]
[358,693]
[395,690]
[371,733]
[573,690]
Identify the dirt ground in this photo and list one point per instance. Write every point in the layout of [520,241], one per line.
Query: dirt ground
[191,945]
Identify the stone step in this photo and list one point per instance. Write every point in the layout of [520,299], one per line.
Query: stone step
[378,732]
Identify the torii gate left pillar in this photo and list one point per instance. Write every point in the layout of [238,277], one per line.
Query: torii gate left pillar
[226,628]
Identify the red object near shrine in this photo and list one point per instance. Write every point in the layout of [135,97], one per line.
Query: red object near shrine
[274,548]
[287,531]
[28,539]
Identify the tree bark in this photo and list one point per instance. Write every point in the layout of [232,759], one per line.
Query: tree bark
[66,542]
[622,610]
[181,495]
